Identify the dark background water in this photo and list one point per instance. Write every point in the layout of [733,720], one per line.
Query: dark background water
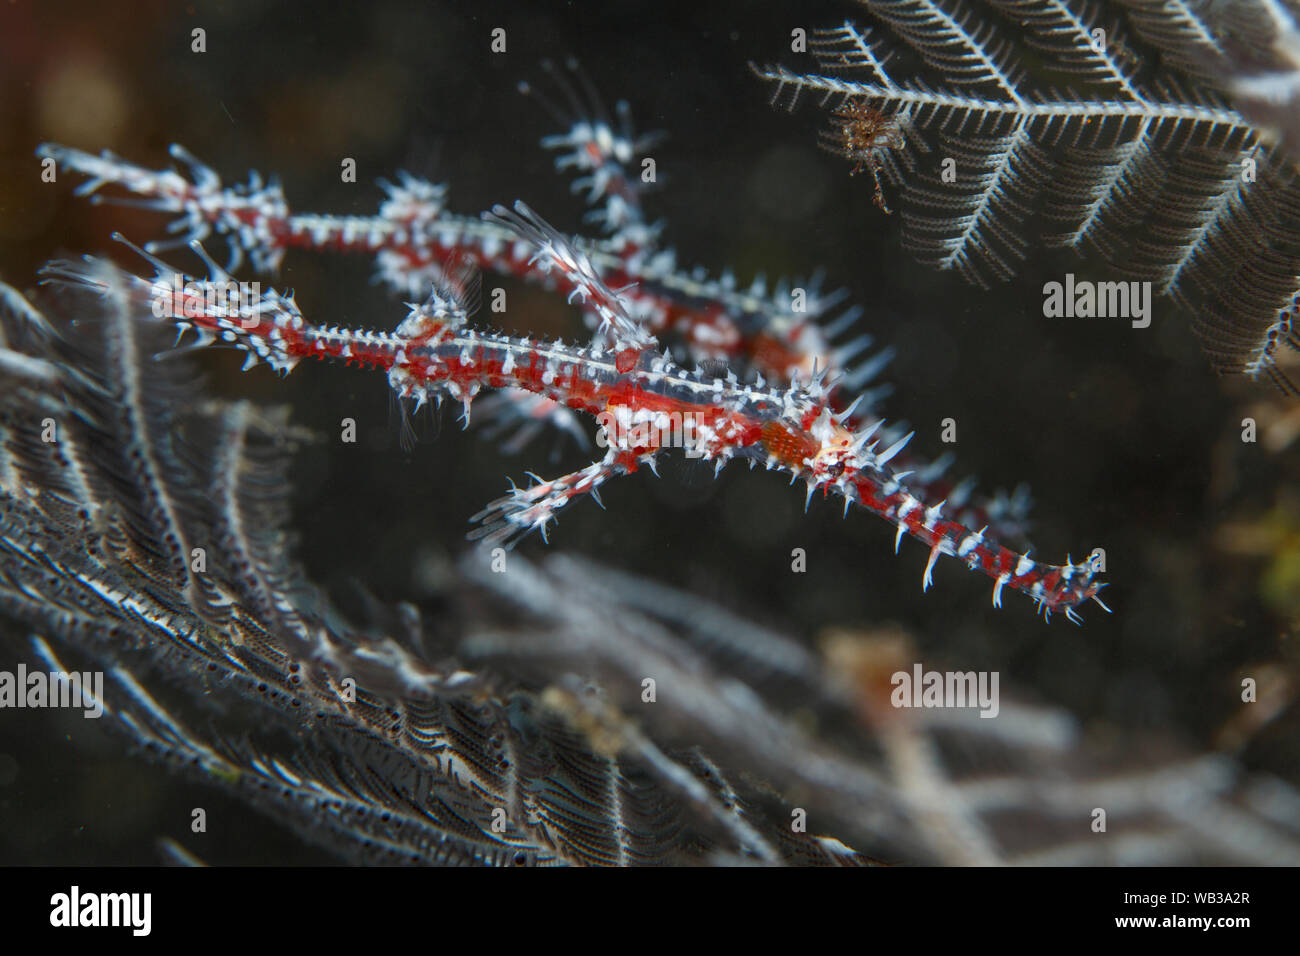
[1128,440]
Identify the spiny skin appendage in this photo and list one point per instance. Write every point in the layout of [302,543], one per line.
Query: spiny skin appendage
[631,291]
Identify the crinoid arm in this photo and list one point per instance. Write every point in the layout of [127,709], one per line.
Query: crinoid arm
[1179,175]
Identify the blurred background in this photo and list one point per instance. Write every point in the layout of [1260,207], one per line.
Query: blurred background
[1126,438]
